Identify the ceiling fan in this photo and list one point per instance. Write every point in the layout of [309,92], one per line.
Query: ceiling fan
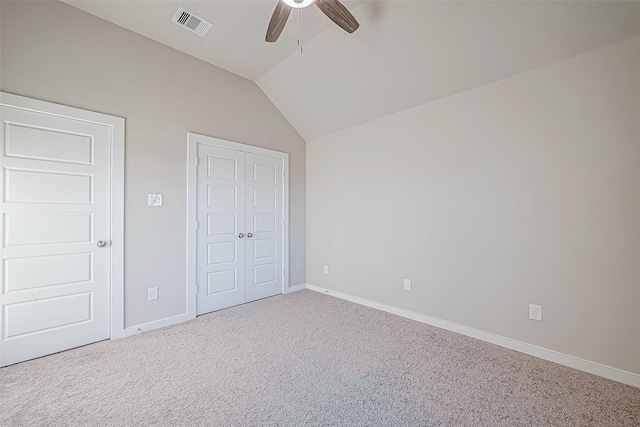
[332,8]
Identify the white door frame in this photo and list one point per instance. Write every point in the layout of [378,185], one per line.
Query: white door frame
[193,139]
[116,125]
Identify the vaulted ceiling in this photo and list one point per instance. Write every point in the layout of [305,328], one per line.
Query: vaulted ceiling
[404,54]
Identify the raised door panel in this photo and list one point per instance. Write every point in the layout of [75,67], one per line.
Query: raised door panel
[26,273]
[30,142]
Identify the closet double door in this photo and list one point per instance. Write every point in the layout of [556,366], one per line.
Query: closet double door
[240,227]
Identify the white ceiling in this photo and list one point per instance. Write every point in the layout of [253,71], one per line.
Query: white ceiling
[404,54]
[236,41]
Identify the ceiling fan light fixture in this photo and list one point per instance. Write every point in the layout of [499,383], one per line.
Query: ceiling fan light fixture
[333,9]
[298,4]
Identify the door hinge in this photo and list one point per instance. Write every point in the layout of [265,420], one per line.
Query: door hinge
[196,161]
[197,225]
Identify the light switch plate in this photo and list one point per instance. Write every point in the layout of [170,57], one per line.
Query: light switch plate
[153,293]
[155,199]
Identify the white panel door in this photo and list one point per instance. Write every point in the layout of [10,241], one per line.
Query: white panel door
[264,189]
[221,232]
[55,210]
[240,234]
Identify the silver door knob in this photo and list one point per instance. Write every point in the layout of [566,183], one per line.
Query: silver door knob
[241,235]
[101,243]
[249,234]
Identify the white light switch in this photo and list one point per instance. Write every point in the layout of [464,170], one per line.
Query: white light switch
[155,199]
[153,293]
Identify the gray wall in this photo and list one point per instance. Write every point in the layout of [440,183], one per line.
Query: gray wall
[56,53]
[522,191]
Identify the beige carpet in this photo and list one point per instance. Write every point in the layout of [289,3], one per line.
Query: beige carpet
[306,359]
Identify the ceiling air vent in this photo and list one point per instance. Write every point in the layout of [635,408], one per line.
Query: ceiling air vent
[192,22]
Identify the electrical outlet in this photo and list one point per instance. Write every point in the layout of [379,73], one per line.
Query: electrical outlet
[407,284]
[325,270]
[153,293]
[535,312]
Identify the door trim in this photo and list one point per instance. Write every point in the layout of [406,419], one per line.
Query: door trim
[193,139]
[117,126]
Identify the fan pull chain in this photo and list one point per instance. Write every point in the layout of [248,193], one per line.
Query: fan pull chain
[300,28]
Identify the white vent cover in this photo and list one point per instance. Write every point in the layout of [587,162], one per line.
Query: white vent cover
[192,22]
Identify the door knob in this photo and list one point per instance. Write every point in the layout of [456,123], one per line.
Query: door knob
[249,234]
[101,243]
[241,235]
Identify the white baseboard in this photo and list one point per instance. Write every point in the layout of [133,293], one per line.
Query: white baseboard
[295,288]
[145,327]
[543,353]
[132,330]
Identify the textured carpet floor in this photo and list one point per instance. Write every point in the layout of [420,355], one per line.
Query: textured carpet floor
[306,359]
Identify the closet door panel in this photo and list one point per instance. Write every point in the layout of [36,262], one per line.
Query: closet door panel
[264,216]
[221,228]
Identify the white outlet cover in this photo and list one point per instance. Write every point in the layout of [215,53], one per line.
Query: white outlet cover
[535,312]
[155,199]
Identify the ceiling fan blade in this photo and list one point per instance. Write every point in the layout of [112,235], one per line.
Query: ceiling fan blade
[278,19]
[338,14]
